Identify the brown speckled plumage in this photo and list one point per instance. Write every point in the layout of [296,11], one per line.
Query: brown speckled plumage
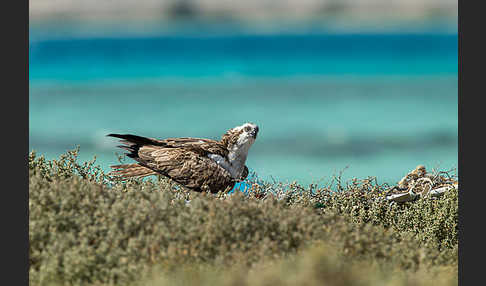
[184,160]
[230,137]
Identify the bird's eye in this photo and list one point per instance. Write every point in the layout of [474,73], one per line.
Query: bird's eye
[247,128]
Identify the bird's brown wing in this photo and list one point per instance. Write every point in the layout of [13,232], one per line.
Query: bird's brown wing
[182,159]
[198,145]
[186,167]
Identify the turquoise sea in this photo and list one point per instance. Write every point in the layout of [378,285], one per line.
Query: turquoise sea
[368,104]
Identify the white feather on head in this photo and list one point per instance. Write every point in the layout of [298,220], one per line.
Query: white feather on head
[238,140]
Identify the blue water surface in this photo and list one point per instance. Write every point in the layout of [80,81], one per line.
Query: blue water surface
[372,104]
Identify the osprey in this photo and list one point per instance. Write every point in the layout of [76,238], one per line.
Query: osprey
[196,163]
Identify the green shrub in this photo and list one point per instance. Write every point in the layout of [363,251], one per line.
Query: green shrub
[85,228]
[318,265]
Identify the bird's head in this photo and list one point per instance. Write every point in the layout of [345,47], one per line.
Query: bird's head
[240,137]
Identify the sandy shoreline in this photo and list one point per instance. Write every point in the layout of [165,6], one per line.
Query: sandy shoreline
[251,10]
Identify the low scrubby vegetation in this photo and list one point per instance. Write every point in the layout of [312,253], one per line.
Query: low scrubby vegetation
[86,229]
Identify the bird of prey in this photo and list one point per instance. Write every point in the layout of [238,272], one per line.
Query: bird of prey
[198,164]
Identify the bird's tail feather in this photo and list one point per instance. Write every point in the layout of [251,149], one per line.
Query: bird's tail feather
[126,171]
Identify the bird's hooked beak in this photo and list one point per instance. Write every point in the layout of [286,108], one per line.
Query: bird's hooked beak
[254,132]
